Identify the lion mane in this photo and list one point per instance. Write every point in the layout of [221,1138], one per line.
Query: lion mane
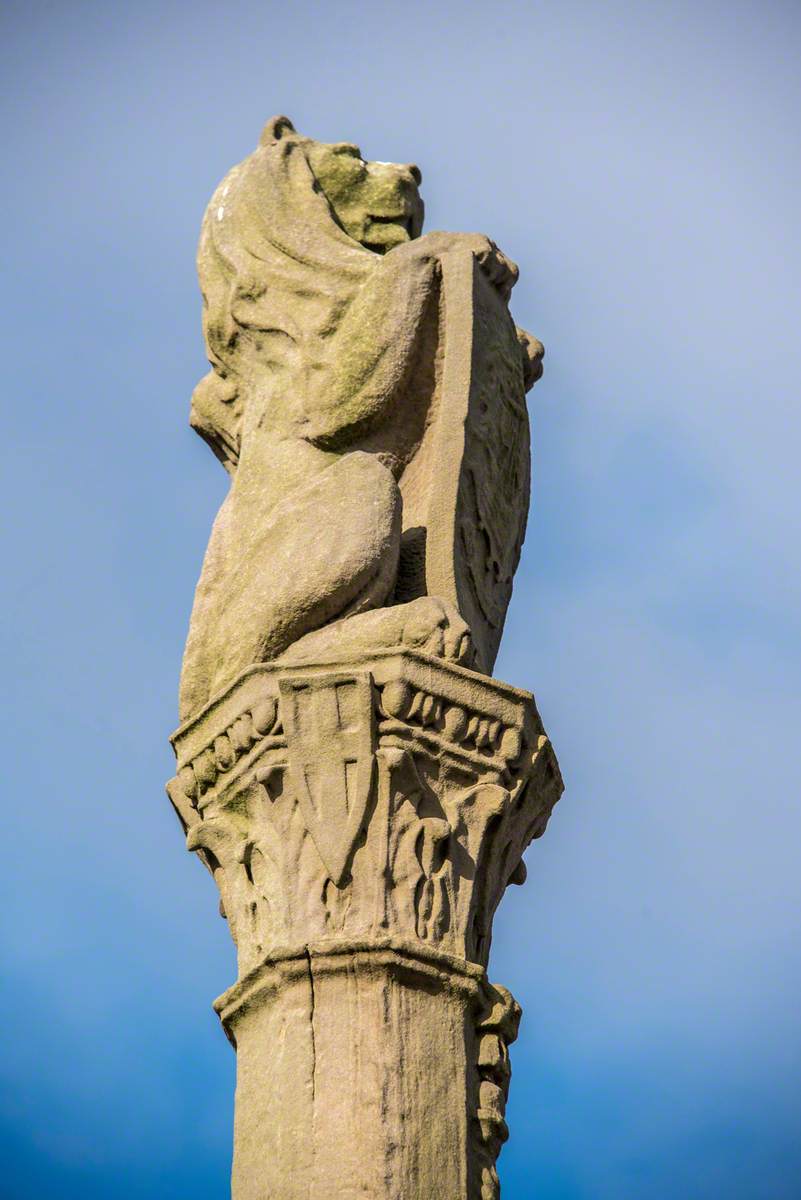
[275,267]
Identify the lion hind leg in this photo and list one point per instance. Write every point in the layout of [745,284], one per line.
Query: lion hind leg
[427,624]
[328,550]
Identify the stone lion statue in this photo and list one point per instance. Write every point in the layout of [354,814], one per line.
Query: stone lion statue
[364,381]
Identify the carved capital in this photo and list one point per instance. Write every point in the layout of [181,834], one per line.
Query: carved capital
[389,797]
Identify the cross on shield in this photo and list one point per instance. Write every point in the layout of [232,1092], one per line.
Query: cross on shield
[330,730]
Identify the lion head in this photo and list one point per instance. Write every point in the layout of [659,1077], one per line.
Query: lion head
[289,236]
[378,204]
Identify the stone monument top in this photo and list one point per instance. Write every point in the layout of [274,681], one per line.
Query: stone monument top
[359,787]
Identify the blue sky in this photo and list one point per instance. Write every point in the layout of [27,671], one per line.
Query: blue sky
[641,164]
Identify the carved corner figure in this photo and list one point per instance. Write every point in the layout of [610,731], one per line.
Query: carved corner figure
[360,789]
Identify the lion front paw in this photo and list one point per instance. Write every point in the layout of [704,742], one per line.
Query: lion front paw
[532,351]
[435,627]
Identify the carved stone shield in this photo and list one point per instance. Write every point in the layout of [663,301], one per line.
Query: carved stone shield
[330,731]
[466,492]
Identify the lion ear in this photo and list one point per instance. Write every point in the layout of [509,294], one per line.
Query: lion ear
[274,130]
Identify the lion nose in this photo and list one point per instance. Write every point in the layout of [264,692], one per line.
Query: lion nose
[415,172]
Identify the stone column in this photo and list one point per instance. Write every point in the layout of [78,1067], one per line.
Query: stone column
[362,819]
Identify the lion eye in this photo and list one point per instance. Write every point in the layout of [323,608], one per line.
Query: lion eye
[349,149]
